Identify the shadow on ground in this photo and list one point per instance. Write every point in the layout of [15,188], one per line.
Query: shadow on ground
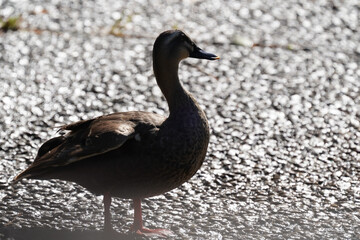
[43,233]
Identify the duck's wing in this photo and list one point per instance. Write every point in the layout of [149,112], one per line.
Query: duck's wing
[91,138]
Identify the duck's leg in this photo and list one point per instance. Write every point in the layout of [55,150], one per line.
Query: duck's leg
[107,214]
[138,227]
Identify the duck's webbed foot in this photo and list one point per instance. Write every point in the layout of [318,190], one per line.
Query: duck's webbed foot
[153,232]
[138,228]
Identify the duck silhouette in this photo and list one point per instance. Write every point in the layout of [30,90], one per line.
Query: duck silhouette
[136,154]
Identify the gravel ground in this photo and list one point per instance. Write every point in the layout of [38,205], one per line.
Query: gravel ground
[283,104]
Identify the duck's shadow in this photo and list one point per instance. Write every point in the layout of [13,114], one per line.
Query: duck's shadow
[44,233]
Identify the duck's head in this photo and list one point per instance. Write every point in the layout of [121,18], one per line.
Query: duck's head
[176,45]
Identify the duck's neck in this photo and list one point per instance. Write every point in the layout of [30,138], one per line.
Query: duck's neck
[167,78]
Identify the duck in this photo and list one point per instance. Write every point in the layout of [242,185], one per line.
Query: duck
[137,154]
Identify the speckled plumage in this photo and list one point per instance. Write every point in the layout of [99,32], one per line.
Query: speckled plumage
[134,154]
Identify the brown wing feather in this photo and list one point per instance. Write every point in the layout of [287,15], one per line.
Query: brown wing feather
[95,140]
[101,137]
[77,125]
[90,138]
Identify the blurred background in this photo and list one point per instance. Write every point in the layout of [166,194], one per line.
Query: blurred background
[283,104]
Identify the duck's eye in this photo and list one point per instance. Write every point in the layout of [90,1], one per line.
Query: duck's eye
[182,36]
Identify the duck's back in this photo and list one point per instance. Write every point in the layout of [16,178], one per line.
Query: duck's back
[132,154]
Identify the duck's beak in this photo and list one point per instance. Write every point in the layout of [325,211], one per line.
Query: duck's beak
[199,53]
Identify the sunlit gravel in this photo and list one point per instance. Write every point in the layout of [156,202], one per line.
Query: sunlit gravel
[283,103]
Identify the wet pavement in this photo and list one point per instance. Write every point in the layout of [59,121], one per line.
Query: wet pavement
[283,104]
